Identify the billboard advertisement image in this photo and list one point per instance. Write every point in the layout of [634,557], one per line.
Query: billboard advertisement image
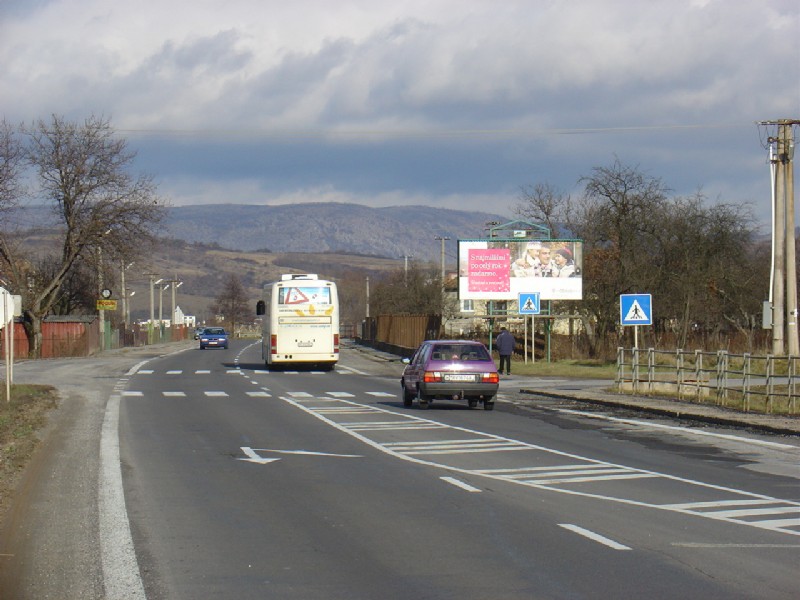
[494,269]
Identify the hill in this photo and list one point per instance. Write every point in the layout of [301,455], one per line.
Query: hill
[392,232]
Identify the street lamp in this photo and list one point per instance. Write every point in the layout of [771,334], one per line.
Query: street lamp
[125,309]
[128,307]
[175,287]
[160,304]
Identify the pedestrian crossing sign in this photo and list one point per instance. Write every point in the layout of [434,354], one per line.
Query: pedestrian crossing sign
[636,309]
[529,303]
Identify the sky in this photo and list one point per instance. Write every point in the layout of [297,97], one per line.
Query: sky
[456,104]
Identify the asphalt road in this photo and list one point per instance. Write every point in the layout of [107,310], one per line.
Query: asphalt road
[244,483]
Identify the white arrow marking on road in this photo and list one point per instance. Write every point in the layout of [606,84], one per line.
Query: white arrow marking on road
[253,457]
[307,452]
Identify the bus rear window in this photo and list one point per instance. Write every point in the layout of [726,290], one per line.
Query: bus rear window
[304,295]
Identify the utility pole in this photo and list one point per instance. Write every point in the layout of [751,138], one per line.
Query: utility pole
[783,290]
[443,239]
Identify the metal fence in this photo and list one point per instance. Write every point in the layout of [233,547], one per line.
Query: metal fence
[747,382]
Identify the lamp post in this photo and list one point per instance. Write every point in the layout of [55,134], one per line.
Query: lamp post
[128,307]
[160,304]
[125,309]
[152,319]
[175,286]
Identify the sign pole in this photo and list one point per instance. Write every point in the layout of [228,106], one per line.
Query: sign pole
[526,341]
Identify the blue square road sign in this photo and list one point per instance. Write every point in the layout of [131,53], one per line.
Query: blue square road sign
[636,309]
[529,303]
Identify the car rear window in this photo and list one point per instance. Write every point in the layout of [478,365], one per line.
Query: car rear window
[215,331]
[465,352]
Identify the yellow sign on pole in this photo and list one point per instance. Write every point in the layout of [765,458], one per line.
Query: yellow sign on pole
[106,305]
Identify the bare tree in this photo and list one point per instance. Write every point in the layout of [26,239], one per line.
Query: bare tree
[232,303]
[542,203]
[11,191]
[83,171]
[413,291]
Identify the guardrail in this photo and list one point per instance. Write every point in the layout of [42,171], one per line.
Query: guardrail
[769,384]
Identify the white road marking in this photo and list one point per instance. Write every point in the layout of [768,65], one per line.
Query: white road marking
[253,457]
[309,453]
[202,372]
[690,430]
[176,372]
[216,394]
[173,394]
[570,478]
[259,394]
[127,393]
[340,394]
[594,536]
[461,484]
[350,370]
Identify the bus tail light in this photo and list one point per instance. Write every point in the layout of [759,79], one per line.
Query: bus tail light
[336,343]
[273,344]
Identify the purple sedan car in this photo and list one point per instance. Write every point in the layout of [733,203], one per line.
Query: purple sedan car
[451,369]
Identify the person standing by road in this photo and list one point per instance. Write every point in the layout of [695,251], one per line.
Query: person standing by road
[505,343]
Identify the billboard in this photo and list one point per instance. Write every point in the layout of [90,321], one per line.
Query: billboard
[495,269]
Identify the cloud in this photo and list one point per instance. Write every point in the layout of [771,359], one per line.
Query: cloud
[445,102]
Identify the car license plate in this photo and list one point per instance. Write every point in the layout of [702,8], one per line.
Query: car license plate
[460,377]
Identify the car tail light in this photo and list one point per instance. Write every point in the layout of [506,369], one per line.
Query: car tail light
[336,343]
[273,344]
[490,377]
[432,377]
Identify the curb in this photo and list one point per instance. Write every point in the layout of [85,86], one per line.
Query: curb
[682,411]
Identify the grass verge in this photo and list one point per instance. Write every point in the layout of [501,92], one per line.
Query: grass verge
[583,369]
[21,419]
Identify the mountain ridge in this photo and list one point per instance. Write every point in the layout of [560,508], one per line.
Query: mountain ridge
[327,227]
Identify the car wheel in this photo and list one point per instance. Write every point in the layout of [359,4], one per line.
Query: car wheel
[408,399]
[488,406]
[472,403]
[202,347]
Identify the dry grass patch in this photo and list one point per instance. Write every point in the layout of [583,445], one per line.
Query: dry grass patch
[20,421]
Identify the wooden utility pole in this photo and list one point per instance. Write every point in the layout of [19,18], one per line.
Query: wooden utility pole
[783,294]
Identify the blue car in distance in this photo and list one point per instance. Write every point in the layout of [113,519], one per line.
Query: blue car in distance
[213,337]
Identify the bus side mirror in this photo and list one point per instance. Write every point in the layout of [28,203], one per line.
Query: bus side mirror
[261,307]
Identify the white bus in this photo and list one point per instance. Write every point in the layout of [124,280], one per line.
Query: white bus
[300,321]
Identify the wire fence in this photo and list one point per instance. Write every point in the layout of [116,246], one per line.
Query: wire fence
[746,382]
